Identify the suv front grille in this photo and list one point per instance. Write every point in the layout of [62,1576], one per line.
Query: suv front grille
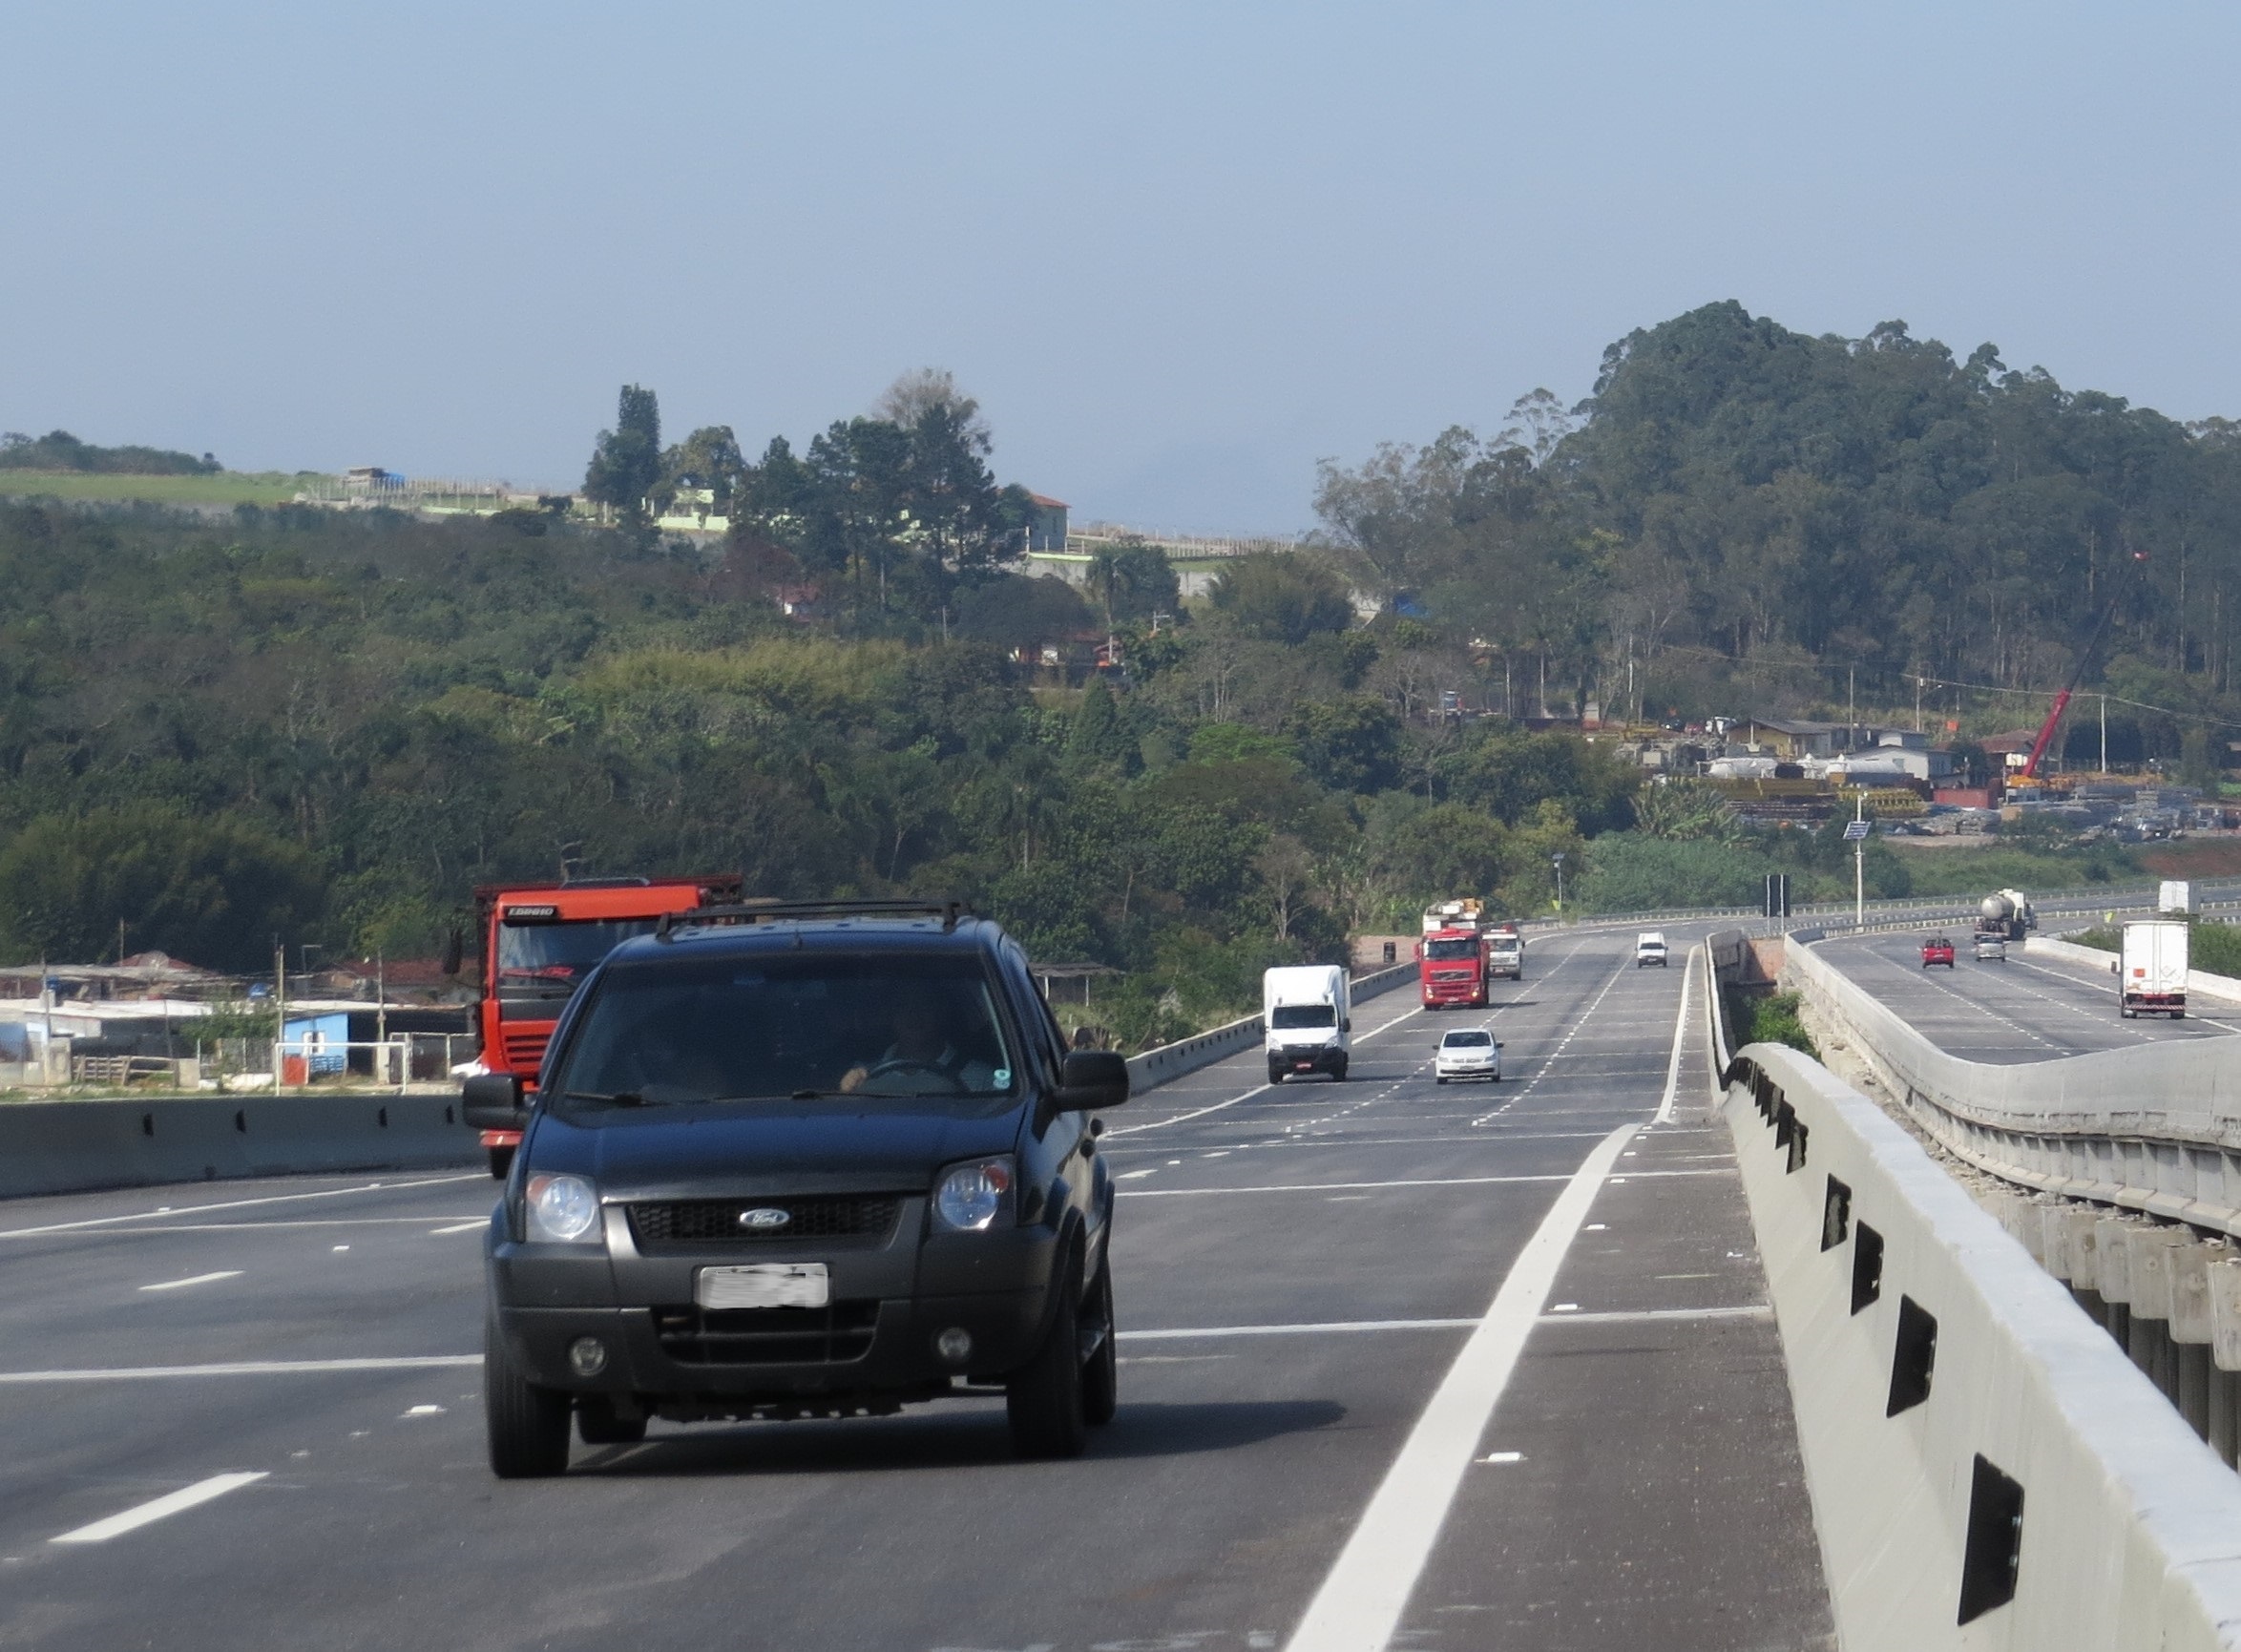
[831,1335]
[671,1227]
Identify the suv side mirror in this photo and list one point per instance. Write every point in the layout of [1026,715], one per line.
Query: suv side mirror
[1092,1080]
[491,1102]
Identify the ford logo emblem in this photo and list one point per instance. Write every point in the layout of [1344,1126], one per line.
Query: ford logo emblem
[762,1218]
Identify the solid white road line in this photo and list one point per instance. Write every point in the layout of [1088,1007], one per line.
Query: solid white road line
[1641,1315]
[463,1226]
[243,1368]
[147,1514]
[1185,1117]
[199,1279]
[240,1205]
[1309,1328]
[1361,1600]
[1679,1030]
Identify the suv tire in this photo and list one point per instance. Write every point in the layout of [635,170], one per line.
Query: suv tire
[598,1425]
[1043,1398]
[527,1425]
[1100,1372]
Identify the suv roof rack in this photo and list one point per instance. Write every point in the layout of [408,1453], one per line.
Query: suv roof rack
[777,912]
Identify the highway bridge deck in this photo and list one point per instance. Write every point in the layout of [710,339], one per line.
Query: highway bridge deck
[2029,1008]
[1298,1269]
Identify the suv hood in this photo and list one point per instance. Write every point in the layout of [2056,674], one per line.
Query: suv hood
[772,1147]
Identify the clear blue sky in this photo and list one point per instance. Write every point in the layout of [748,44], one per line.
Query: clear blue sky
[1180,252]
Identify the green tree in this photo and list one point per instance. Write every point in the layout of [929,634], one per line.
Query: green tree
[626,463]
[215,890]
[1132,580]
[710,459]
[1351,744]
[1281,597]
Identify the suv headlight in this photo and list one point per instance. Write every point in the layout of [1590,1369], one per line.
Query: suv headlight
[563,1210]
[975,1196]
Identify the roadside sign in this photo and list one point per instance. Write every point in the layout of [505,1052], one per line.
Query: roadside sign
[1856,829]
[1777,895]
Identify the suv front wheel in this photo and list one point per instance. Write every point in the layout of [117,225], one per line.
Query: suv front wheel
[528,1425]
[1043,1399]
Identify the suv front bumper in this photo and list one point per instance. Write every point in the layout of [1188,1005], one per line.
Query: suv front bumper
[888,1305]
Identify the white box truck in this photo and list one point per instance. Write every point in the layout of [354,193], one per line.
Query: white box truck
[2177,895]
[1309,1020]
[2151,971]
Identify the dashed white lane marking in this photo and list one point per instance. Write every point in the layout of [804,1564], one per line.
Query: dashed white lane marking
[1527,1088]
[199,1279]
[148,1512]
[1339,1187]
[1361,1600]
[462,1226]
[239,1204]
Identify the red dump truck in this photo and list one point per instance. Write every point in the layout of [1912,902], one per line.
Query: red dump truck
[538,940]
[1451,957]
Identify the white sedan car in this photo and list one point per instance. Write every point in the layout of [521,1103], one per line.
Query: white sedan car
[1467,1053]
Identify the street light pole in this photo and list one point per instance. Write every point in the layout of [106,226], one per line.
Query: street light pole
[1558,861]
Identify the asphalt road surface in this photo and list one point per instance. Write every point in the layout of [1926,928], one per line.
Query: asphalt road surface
[2030,1007]
[1438,1367]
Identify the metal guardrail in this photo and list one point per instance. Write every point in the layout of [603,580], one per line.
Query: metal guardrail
[2154,1128]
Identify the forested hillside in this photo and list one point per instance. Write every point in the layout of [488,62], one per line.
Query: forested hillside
[1741,515]
[331,725]
[328,726]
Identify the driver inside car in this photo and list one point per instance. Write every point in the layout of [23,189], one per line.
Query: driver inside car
[920,1059]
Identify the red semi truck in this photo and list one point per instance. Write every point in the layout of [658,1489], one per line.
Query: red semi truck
[538,940]
[1451,957]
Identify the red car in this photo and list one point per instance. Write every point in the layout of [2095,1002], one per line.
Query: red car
[1936,950]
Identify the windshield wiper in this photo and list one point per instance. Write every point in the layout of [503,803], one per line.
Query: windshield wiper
[621,1098]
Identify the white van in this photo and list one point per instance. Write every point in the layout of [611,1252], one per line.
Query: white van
[1309,1020]
[1649,947]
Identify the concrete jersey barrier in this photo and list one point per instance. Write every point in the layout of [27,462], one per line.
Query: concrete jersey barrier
[75,1146]
[1988,1469]
[1155,1067]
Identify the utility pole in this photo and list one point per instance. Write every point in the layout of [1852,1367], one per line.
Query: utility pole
[1852,735]
[1859,862]
[279,1015]
[1917,705]
[381,1004]
[1558,861]
[2105,734]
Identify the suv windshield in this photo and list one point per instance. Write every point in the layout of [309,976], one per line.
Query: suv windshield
[800,1025]
[1451,948]
[1302,1015]
[546,956]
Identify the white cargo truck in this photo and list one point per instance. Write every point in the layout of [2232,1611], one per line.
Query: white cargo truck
[2176,896]
[1307,1020]
[2151,970]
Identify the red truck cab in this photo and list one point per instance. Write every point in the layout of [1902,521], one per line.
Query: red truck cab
[1451,967]
[539,940]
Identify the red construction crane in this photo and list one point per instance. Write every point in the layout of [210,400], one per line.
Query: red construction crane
[2029,772]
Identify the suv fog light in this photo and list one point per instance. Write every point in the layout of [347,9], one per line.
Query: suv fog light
[954,1345]
[587,1356]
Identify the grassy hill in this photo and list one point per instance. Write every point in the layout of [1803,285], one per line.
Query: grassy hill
[220,488]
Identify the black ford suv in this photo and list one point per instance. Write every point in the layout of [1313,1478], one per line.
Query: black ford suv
[801,1161]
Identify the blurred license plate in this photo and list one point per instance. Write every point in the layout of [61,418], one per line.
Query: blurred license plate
[763,1284]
